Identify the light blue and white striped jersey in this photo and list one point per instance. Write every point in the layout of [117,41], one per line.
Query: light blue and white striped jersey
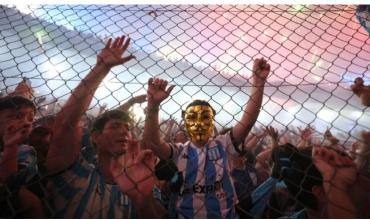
[80,192]
[208,190]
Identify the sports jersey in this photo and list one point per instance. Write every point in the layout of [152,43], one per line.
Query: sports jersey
[207,190]
[81,192]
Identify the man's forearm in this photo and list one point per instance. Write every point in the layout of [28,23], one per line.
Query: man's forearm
[251,112]
[82,95]
[64,151]
[151,128]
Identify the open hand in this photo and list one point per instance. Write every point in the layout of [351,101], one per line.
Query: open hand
[336,169]
[111,55]
[135,177]
[16,133]
[158,91]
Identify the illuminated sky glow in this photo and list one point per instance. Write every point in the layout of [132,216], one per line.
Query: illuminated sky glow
[315,52]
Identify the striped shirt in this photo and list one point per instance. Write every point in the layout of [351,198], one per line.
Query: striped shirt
[208,190]
[81,192]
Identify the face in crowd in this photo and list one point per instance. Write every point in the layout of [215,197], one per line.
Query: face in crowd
[16,115]
[113,135]
[199,122]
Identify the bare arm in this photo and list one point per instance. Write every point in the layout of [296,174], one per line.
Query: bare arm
[134,100]
[157,92]
[261,70]
[23,89]
[64,151]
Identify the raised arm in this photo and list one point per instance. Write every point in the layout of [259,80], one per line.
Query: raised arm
[134,100]
[65,146]
[23,89]
[157,92]
[261,70]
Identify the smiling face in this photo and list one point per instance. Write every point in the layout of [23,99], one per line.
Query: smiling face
[23,115]
[199,122]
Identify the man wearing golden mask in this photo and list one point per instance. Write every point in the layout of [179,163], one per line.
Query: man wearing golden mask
[207,190]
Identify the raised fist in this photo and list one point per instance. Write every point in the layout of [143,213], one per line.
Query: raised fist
[361,91]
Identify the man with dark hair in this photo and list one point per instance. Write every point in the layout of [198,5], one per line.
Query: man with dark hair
[123,179]
[18,163]
[207,190]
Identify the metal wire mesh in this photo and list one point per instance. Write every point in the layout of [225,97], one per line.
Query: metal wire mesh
[207,51]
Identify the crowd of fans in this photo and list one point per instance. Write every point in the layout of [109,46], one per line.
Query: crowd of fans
[70,164]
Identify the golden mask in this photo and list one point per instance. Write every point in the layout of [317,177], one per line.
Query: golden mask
[199,122]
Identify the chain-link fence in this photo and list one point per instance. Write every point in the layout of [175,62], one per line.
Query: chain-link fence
[315,52]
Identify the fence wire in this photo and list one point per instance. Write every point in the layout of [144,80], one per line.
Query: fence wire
[315,52]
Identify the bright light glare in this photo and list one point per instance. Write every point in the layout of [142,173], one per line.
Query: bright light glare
[327,115]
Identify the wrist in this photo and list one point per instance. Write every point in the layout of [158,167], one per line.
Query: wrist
[152,107]
[258,81]
[101,64]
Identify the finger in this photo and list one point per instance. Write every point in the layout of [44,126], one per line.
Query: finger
[315,151]
[133,147]
[141,156]
[115,42]
[160,83]
[248,138]
[125,45]
[164,85]
[268,67]
[16,125]
[348,161]
[121,40]
[340,160]
[170,88]
[156,83]
[331,157]
[150,81]
[126,59]
[147,157]
[108,43]
[141,98]
[262,63]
